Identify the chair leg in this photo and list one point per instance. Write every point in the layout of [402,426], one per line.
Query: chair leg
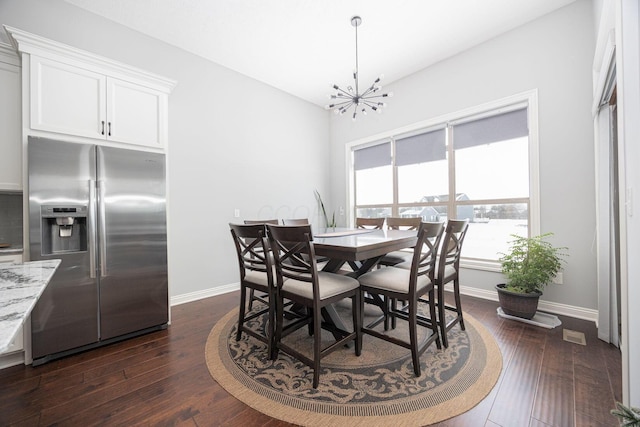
[385,311]
[413,336]
[456,292]
[271,331]
[442,320]
[241,311]
[278,327]
[432,316]
[356,306]
[316,347]
[394,306]
[251,299]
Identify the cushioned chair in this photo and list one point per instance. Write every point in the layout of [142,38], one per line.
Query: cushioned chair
[410,285]
[447,269]
[252,296]
[299,280]
[447,272]
[396,257]
[256,273]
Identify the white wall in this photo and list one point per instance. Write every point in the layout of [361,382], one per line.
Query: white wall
[554,55]
[234,142]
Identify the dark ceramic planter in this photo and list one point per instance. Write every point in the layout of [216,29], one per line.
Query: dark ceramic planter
[517,304]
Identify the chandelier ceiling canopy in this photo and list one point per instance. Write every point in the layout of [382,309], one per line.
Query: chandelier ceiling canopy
[369,99]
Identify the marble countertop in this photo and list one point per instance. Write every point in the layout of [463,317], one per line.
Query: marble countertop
[20,287]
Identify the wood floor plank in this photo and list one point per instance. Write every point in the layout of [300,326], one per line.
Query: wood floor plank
[554,402]
[514,401]
[162,379]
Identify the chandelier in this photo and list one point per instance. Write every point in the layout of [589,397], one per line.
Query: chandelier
[369,99]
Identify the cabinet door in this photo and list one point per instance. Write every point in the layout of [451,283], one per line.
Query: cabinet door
[10,128]
[67,99]
[135,114]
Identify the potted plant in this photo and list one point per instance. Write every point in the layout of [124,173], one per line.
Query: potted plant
[329,223]
[628,415]
[530,264]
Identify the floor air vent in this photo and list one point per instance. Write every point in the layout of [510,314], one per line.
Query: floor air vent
[574,336]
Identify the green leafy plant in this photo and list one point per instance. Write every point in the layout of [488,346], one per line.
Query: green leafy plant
[531,263]
[329,224]
[629,416]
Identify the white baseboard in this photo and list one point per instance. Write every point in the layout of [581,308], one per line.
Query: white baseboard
[12,359]
[546,306]
[206,293]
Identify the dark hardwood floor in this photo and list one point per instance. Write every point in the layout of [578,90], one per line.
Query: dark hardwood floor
[162,379]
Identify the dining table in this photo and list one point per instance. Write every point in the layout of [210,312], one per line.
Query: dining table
[362,249]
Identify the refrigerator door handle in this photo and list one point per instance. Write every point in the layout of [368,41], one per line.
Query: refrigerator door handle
[92,229]
[102,231]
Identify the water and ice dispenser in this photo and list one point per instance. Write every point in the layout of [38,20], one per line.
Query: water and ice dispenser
[64,229]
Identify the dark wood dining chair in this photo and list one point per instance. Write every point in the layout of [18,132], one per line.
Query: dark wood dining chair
[370,223]
[256,273]
[410,285]
[396,223]
[298,280]
[252,295]
[448,272]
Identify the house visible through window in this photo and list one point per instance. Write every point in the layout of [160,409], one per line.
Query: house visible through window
[477,167]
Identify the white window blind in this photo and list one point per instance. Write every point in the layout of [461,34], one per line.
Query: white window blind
[372,157]
[421,148]
[501,127]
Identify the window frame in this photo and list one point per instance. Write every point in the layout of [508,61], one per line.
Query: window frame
[528,100]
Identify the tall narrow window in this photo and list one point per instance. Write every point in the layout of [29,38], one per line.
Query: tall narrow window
[373,180]
[492,180]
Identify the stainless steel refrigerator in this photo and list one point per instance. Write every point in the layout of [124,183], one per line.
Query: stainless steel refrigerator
[101,210]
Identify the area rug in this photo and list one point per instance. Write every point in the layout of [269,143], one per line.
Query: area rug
[378,388]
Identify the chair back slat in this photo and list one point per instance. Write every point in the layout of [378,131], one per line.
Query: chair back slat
[294,253]
[252,248]
[370,223]
[454,235]
[261,221]
[426,250]
[395,223]
[295,221]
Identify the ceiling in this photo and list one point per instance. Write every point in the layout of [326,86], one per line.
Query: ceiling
[303,47]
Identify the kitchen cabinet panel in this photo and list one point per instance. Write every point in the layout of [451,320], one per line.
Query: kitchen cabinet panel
[67,99]
[136,114]
[10,120]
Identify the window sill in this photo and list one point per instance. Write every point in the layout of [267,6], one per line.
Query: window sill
[479,264]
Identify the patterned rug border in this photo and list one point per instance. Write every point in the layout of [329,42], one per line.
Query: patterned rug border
[277,406]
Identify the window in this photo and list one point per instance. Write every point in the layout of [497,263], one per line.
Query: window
[476,166]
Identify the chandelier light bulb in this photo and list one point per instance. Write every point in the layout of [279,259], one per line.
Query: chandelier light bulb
[352,97]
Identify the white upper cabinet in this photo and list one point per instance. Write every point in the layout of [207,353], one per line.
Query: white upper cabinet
[10,120]
[77,93]
[67,99]
[135,113]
